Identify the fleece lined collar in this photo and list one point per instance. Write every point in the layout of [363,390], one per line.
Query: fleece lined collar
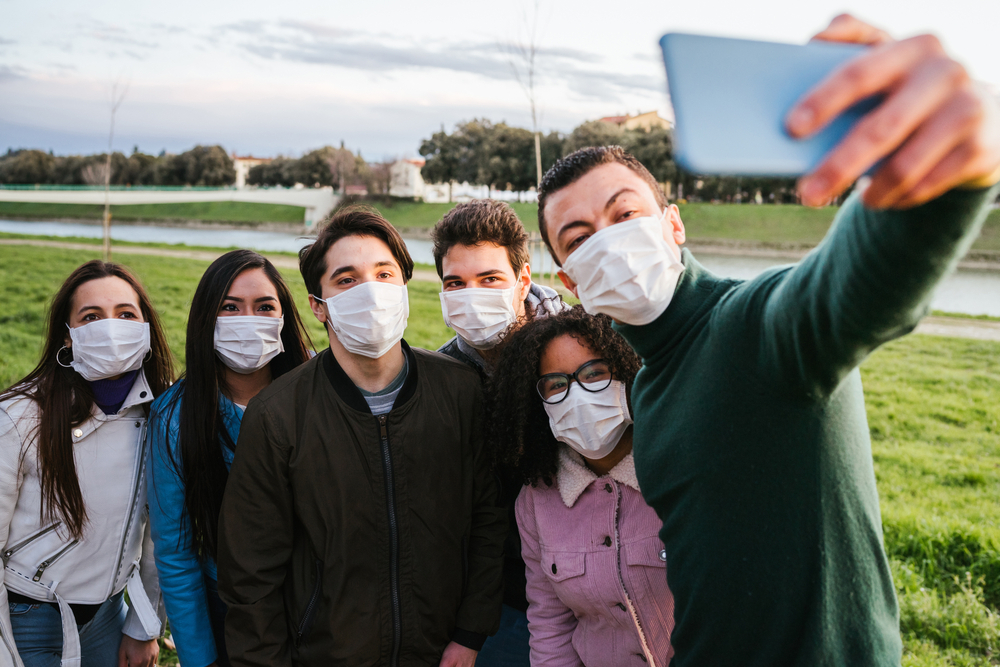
[573,476]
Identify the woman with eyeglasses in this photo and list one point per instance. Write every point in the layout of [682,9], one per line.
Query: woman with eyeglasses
[559,413]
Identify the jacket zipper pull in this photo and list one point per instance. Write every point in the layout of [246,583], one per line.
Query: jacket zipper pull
[41,568]
[383,431]
[46,563]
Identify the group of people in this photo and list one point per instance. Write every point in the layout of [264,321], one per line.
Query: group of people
[678,470]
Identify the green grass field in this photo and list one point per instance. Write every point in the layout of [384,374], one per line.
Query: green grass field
[933,407]
[767,223]
[215,211]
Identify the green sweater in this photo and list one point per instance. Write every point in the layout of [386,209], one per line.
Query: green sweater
[752,444]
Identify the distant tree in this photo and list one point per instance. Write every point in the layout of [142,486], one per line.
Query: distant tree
[443,159]
[343,166]
[593,133]
[200,166]
[95,173]
[27,167]
[378,177]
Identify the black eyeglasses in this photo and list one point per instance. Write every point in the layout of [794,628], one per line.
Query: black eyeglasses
[592,376]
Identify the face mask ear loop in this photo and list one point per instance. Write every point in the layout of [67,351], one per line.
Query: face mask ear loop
[149,355]
[59,361]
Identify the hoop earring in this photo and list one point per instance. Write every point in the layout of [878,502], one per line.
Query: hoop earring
[59,361]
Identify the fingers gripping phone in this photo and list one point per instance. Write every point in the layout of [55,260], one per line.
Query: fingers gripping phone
[731,96]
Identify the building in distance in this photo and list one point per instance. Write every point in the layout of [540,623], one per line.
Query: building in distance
[643,121]
[243,165]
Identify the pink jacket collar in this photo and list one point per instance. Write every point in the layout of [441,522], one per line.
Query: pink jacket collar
[573,476]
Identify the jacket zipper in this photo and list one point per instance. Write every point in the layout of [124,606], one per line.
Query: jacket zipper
[131,507]
[52,559]
[311,607]
[26,541]
[390,501]
[621,580]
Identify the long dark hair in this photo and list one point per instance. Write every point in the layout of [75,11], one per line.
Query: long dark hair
[65,399]
[202,430]
[517,427]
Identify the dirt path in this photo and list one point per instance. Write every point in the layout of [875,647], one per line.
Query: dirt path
[953,327]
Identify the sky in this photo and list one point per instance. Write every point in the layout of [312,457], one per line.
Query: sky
[280,78]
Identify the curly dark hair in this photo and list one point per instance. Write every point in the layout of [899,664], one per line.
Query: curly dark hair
[571,168]
[517,427]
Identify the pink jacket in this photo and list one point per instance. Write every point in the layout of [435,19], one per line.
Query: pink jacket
[597,580]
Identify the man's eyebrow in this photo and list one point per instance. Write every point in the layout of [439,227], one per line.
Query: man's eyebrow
[616,196]
[572,225]
[489,272]
[343,269]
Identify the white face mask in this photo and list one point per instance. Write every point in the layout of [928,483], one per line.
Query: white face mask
[591,423]
[247,343]
[626,271]
[369,318]
[479,314]
[107,348]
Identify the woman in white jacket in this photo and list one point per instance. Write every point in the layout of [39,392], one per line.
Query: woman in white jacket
[73,517]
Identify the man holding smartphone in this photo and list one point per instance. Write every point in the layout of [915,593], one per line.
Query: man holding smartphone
[751,438]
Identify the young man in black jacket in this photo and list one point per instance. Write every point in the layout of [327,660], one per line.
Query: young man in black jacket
[361,523]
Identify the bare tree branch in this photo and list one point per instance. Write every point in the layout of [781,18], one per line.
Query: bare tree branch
[522,56]
[117,97]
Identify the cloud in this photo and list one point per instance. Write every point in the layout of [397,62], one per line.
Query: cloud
[319,44]
[115,34]
[8,73]
[6,42]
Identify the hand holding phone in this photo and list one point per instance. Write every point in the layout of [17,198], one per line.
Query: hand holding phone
[904,106]
[935,130]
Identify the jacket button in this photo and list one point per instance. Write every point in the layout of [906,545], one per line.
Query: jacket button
[78,433]
[607,541]
[663,555]
[553,568]
[620,606]
[607,487]
[138,424]
[142,394]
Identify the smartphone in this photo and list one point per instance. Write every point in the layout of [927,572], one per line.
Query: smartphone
[731,96]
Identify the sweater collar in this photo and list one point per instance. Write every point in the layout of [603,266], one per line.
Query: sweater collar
[349,392]
[696,293]
[573,476]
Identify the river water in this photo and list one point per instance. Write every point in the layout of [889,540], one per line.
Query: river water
[967,291]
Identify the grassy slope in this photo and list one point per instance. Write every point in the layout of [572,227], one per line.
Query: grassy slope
[217,211]
[766,223]
[933,406]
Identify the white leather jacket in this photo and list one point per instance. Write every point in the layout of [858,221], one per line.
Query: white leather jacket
[41,561]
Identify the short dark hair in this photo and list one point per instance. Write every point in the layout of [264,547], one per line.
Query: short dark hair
[351,221]
[481,221]
[576,165]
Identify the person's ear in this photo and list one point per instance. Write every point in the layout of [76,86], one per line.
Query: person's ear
[568,282]
[318,308]
[525,280]
[673,225]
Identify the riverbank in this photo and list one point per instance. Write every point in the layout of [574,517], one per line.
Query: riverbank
[933,408]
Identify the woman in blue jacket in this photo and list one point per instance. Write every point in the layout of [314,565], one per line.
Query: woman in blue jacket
[243,331]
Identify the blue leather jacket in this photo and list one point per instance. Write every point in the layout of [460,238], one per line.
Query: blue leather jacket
[181,571]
